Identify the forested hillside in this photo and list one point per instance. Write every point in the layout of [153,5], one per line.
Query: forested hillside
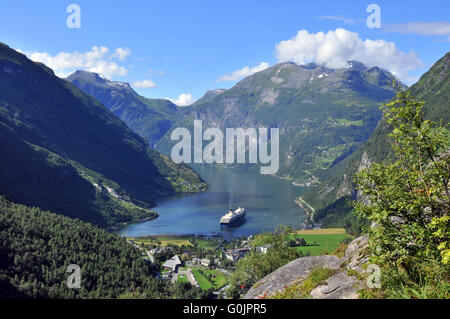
[37,246]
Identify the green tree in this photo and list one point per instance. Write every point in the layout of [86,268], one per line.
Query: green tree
[257,265]
[407,201]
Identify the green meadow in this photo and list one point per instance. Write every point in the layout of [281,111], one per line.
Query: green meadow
[320,242]
[208,278]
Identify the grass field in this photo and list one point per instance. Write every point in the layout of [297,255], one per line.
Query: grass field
[175,240]
[165,240]
[322,231]
[206,244]
[182,279]
[202,281]
[322,241]
[218,279]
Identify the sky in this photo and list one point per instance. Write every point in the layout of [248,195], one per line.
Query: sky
[181,49]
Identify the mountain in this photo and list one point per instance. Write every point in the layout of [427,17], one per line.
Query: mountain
[330,198]
[63,151]
[323,114]
[208,96]
[150,118]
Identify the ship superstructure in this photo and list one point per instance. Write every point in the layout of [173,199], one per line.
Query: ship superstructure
[233,218]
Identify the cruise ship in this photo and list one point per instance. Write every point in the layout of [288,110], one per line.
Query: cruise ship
[233,218]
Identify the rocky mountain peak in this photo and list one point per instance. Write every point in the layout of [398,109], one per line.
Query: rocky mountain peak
[93,78]
[356,65]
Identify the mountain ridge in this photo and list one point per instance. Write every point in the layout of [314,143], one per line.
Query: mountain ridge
[322,113]
[66,152]
[150,118]
[330,199]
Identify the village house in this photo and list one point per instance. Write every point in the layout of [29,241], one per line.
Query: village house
[235,254]
[194,261]
[172,264]
[262,249]
[205,262]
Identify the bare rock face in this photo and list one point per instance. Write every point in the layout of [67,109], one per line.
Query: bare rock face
[339,286]
[290,273]
[356,254]
[364,164]
[344,190]
[355,250]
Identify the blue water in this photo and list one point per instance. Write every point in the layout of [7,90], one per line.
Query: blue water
[269,202]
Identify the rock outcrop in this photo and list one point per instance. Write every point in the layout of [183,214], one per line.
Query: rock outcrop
[289,274]
[340,286]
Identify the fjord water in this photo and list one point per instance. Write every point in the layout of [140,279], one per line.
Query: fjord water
[269,202]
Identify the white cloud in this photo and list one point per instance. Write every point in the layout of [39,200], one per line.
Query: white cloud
[335,48]
[96,60]
[144,84]
[338,18]
[108,69]
[444,40]
[122,53]
[441,28]
[245,71]
[159,72]
[184,99]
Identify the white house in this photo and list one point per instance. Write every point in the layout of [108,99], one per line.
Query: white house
[172,264]
[205,262]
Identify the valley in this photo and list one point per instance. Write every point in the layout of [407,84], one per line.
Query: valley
[88,176]
[62,150]
[323,114]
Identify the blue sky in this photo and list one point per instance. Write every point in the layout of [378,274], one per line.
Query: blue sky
[185,47]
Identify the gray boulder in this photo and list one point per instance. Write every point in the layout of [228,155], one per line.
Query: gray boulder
[290,273]
[356,254]
[339,286]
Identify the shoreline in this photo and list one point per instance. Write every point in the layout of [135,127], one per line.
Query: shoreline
[309,210]
[297,183]
[116,227]
[180,236]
